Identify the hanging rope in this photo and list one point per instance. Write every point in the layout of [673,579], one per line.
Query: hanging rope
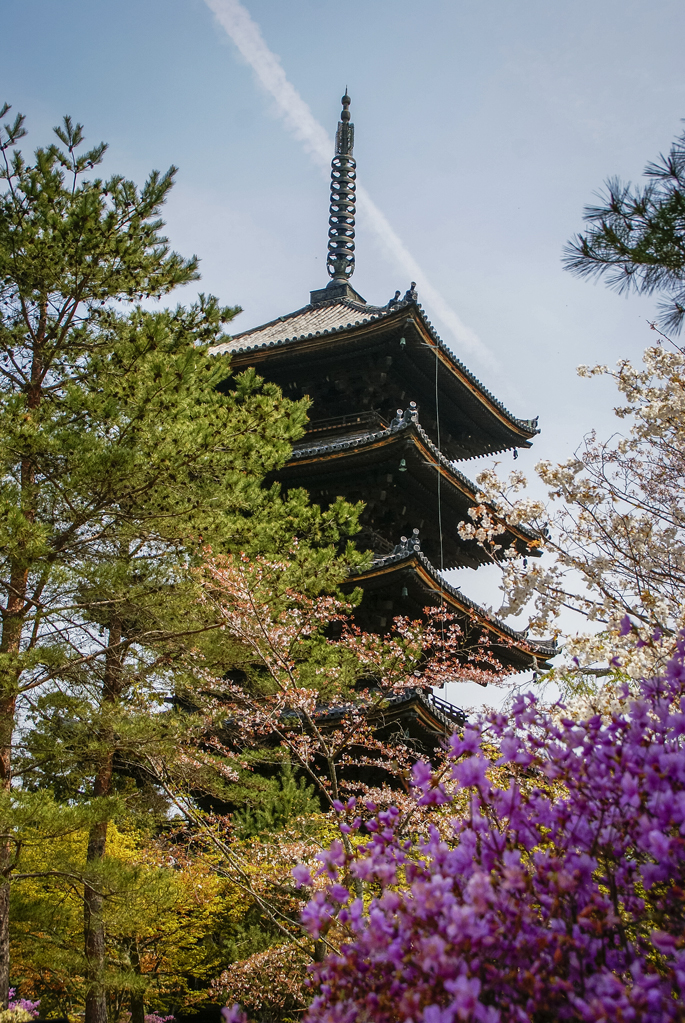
[439,470]
[437,424]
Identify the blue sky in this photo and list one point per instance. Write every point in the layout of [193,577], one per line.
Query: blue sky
[482,128]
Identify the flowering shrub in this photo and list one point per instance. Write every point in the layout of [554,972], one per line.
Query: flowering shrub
[17,1015]
[151,1017]
[19,1010]
[269,983]
[561,897]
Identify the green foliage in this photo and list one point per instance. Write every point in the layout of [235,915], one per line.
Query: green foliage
[636,238]
[162,910]
[127,452]
[270,804]
[124,453]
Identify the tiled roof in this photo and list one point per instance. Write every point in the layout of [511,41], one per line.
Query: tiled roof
[306,322]
[342,314]
[541,648]
[327,445]
[409,421]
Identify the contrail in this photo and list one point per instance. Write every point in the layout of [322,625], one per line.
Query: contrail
[246,35]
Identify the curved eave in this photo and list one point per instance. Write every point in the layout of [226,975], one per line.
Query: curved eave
[377,321]
[413,432]
[526,429]
[423,705]
[534,653]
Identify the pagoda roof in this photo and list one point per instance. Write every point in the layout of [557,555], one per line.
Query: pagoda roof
[509,645]
[432,717]
[336,453]
[311,320]
[439,714]
[321,324]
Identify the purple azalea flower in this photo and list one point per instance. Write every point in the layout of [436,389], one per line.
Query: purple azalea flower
[421,774]
[24,1004]
[234,1014]
[302,875]
[504,914]
[339,893]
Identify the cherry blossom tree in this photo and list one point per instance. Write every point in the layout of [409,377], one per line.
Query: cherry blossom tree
[614,526]
[308,689]
[320,696]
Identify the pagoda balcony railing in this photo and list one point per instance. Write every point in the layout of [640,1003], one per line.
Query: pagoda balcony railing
[448,709]
[369,539]
[371,420]
[453,715]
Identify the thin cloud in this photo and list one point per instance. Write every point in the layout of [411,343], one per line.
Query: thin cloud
[298,118]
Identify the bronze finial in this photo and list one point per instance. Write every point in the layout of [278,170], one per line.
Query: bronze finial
[340,262]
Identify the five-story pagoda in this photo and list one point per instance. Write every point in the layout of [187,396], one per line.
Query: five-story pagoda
[392,413]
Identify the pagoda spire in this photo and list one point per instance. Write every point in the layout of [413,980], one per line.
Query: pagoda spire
[340,262]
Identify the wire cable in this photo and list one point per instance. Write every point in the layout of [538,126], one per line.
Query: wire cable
[439,471]
[437,425]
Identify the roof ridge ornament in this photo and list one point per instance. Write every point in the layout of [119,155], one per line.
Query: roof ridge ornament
[340,261]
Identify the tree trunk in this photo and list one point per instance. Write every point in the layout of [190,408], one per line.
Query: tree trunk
[137,996]
[319,950]
[94,932]
[13,618]
[10,643]
[93,901]
[5,854]
[137,1007]
[7,850]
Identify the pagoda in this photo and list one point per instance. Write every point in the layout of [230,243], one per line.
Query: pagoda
[392,413]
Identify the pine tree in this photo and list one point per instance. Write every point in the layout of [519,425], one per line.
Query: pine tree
[125,451]
[270,803]
[636,237]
